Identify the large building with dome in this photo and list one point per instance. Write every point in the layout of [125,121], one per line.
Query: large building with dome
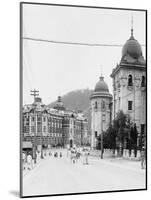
[129,84]
[129,92]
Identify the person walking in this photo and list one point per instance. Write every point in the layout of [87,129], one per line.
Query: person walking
[29,162]
[60,155]
[24,160]
[143,158]
[50,153]
[86,157]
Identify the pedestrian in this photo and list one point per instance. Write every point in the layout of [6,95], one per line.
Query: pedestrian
[29,162]
[86,157]
[56,154]
[24,160]
[143,161]
[60,155]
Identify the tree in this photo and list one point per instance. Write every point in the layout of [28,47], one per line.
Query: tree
[109,138]
[122,126]
[117,135]
[133,138]
[121,134]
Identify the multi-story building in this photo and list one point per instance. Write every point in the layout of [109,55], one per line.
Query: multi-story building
[129,92]
[101,110]
[129,84]
[56,126]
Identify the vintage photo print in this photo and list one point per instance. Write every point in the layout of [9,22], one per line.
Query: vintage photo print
[83,74]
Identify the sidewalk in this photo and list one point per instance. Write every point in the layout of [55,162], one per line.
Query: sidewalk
[109,154]
[33,165]
[121,163]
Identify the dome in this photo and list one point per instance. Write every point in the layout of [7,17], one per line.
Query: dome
[59,104]
[101,86]
[132,48]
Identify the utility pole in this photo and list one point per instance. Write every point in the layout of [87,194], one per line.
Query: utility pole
[34,93]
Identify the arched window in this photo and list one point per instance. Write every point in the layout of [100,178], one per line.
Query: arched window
[96,105]
[103,105]
[130,80]
[143,81]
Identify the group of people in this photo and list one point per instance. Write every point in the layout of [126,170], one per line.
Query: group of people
[77,154]
[56,155]
[27,161]
[74,154]
[27,158]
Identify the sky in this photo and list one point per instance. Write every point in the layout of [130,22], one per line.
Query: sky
[56,69]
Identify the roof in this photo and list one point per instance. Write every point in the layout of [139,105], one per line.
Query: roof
[101,86]
[132,56]
[132,51]
[26,145]
[101,89]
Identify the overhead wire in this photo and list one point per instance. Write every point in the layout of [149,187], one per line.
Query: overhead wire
[72,43]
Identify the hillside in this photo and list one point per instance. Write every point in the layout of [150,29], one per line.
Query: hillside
[77,100]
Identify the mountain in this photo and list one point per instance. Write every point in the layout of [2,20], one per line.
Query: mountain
[78,100]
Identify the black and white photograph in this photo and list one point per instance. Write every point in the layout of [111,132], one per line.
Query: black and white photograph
[83,99]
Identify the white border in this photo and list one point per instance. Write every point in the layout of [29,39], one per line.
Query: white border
[9,101]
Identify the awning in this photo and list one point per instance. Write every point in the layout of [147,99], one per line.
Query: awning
[27,145]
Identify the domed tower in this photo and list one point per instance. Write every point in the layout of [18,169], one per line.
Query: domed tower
[59,104]
[129,83]
[101,106]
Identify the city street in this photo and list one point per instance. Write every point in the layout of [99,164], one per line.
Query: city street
[59,175]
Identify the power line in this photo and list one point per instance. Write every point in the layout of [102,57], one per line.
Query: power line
[73,43]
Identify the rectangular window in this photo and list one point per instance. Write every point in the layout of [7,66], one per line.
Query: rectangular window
[142,129]
[38,129]
[95,133]
[129,105]
[44,129]
[32,129]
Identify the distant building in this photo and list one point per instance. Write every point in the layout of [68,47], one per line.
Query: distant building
[54,126]
[129,84]
[101,110]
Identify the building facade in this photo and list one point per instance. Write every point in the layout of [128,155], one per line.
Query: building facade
[101,110]
[129,84]
[56,126]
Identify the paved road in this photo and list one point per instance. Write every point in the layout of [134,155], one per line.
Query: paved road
[58,176]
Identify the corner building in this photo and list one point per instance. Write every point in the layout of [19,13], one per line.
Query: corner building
[129,84]
[57,126]
[101,110]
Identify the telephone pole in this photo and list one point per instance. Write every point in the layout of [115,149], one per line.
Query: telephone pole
[34,93]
